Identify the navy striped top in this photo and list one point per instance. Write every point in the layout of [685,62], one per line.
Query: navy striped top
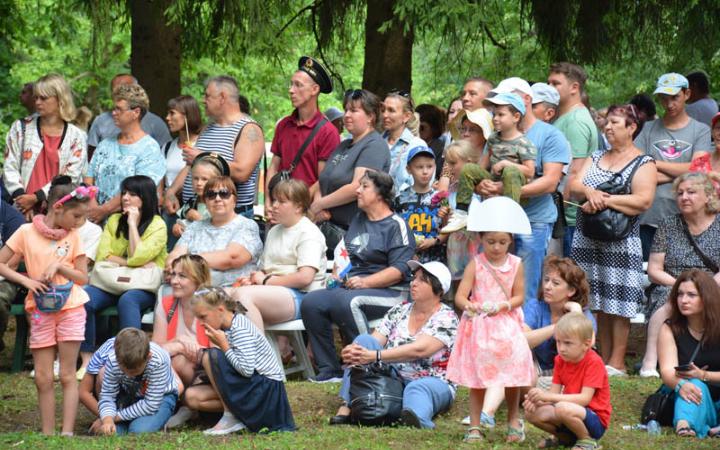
[250,351]
[221,139]
[148,389]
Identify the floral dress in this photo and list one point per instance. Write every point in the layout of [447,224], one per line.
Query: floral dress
[491,350]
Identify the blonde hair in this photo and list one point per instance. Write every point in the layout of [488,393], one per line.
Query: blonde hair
[295,191]
[54,85]
[413,124]
[575,325]
[134,95]
[215,297]
[705,181]
[195,267]
[461,150]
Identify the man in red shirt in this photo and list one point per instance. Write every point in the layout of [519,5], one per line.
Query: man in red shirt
[576,410]
[306,84]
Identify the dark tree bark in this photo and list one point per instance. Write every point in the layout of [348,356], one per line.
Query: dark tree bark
[155,52]
[388,55]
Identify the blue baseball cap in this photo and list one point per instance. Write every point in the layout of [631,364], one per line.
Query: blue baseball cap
[507,98]
[419,150]
[543,92]
[671,84]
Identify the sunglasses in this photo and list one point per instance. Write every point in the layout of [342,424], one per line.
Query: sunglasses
[353,94]
[400,92]
[223,194]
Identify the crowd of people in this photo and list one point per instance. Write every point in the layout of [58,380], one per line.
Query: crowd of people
[496,243]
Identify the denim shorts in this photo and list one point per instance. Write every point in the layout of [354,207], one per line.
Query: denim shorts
[297,296]
[592,423]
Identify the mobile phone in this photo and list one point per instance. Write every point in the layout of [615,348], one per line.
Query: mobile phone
[682,368]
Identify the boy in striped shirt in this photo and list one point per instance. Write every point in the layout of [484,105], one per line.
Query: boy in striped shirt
[139,390]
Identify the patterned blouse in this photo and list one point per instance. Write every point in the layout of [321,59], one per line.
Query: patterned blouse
[442,326]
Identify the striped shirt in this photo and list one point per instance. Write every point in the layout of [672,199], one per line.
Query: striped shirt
[100,357]
[250,351]
[149,388]
[221,139]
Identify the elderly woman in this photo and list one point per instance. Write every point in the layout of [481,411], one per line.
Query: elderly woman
[677,247]
[292,264]
[614,268]
[335,204]
[43,146]
[689,354]
[379,244]
[417,338]
[229,242]
[134,238]
[401,126]
[132,152]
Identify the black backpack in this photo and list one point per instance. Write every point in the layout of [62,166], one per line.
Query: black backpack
[376,394]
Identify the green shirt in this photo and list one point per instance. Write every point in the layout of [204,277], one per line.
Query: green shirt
[151,248]
[581,132]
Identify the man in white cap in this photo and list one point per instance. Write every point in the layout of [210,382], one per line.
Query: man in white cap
[674,141]
[576,123]
[553,152]
[299,129]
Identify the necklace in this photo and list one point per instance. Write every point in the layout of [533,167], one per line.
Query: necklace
[700,332]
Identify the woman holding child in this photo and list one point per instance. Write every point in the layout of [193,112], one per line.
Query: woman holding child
[614,268]
[689,353]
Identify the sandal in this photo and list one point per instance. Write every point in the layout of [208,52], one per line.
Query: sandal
[586,444]
[549,442]
[516,434]
[714,432]
[487,421]
[685,432]
[474,434]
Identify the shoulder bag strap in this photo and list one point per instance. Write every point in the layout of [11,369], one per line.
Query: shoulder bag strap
[309,139]
[171,311]
[635,161]
[497,279]
[695,352]
[706,261]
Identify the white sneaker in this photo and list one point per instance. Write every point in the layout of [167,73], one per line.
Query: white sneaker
[465,421]
[180,418]
[227,424]
[458,221]
[613,372]
[650,373]
[56,371]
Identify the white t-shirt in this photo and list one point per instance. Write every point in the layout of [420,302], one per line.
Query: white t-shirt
[174,162]
[301,245]
[90,237]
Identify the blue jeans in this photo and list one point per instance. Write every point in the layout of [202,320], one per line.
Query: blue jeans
[130,306]
[150,424]
[700,417]
[567,240]
[532,249]
[426,397]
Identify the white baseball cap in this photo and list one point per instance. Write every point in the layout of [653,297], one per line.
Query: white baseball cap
[512,84]
[436,269]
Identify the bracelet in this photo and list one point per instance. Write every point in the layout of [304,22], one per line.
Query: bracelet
[680,384]
[704,377]
[377,356]
[267,277]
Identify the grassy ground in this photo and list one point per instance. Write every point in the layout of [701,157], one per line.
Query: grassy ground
[312,406]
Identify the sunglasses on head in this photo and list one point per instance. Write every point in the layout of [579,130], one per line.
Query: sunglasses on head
[222,193]
[400,92]
[354,94]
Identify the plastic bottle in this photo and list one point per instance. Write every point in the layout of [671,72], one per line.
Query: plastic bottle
[637,426]
[653,428]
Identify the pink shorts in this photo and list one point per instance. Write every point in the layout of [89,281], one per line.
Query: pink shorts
[47,329]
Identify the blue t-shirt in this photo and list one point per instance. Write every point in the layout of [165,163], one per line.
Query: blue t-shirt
[113,162]
[552,147]
[537,315]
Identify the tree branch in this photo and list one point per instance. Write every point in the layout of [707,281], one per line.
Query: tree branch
[492,38]
[310,7]
[322,54]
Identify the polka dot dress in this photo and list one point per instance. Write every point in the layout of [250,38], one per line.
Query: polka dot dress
[614,269]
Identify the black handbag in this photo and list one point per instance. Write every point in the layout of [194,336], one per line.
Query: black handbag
[609,224]
[376,394]
[659,406]
[285,174]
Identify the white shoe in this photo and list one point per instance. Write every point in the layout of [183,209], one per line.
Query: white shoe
[227,424]
[458,221]
[613,372]
[650,373]
[56,371]
[465,421]
[180,418]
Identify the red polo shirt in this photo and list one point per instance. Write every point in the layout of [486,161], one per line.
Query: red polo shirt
[289,137]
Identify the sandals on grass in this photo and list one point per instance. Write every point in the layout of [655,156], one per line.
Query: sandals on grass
[474,434]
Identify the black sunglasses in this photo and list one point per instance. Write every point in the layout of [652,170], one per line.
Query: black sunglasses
[400,92]
[223,194]
[354,94]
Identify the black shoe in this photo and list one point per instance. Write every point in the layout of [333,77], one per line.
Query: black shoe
[409,419]
[340,420]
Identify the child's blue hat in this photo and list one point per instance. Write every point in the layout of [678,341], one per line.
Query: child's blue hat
[420,150]
[508,98]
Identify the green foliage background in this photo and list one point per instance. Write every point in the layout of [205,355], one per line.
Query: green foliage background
[88,42]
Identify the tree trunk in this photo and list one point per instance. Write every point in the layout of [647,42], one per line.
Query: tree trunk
[388,55]
[155,52]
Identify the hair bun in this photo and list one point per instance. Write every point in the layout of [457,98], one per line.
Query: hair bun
[61,180]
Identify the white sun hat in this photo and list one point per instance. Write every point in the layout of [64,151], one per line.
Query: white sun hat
[498,214]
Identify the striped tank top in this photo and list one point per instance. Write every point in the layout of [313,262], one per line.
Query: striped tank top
[221,139]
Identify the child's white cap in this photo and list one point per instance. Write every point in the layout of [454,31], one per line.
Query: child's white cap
[501,214]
